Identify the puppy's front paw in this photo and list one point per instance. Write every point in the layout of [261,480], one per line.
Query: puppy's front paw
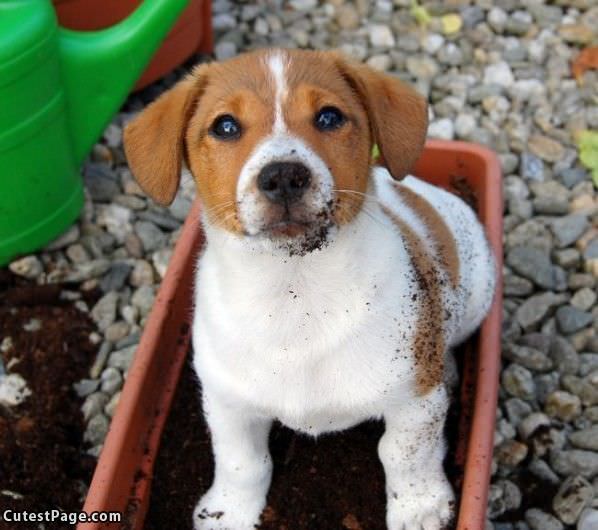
[226,510]
[421,505]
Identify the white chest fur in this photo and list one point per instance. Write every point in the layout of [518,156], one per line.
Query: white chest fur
[320,341]
[313,340]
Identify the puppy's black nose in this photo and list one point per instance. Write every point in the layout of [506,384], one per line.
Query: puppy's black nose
[283,182]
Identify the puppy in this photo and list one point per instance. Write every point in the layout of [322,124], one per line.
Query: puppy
[329,291]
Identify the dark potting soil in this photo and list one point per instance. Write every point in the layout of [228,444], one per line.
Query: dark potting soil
[43,465]
[334,482]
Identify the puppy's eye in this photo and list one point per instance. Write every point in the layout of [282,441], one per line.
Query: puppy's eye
[226,127]
[328,119]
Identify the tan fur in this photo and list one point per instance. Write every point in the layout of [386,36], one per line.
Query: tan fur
[315,82]
[443,238]
[398,115]
[154,140]
[379,109]
[429,341]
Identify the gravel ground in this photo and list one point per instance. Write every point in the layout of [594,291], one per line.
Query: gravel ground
[502,80]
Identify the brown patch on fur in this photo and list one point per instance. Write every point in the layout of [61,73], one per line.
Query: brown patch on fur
[242,88]
[398,115]
[444,240]
[176,127]
[154,140]
[314,81]
[428,343]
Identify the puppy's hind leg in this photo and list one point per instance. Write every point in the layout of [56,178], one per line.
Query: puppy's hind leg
[419,496]
[243,468]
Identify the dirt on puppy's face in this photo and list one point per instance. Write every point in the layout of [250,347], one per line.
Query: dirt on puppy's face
[278,141]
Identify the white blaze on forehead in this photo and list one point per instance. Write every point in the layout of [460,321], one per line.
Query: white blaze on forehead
[277,63]
[280,145]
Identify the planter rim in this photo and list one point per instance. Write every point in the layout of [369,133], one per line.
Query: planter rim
[474,491]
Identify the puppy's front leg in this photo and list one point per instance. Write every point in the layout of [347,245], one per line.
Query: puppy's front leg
[243,467]
[412,449]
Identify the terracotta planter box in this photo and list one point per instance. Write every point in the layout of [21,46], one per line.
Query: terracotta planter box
[122,479]
[192,33]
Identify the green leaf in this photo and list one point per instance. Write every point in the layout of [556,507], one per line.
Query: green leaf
[375,151]
[587,143]
[420,14]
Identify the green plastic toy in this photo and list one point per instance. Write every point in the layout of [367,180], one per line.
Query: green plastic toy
[58,91]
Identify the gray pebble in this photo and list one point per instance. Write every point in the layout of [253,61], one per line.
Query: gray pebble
[571,319]
[100,360]
[586,438]
[511,453]
[528,357]
[117,331]
[591,251]
[516,286]
[588,520]
[162,220]
[531,167]
[546,384]
[575,462]
[116,276]
[96,430]
[564,355]
[542,470]
[535,308]
[568,257]
[584,299]
[472,16]
[568,229]
[531,423]
[150,235]
[129,340]
[573,496]
[143,299]
[64,240]
[547,440]
[93,404]
[104,312]
[518,23]
[588,363]
[180,207]
[101,182]
[563,405]
[573,176]
[28,267]
[540,520]
[111,380]
[551,206]
[519,382]
[77,253]
[110,407]
[86,386]
[517,409]
[122,358]
[533,264]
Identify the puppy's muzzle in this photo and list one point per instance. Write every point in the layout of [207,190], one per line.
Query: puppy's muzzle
[284,182]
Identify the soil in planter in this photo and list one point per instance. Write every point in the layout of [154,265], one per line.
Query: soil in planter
[43,465]
[334,482]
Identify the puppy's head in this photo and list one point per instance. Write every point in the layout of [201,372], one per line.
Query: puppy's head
[278,142]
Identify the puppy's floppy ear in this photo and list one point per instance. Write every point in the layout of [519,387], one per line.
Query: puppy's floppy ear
[398,115]
[154,140]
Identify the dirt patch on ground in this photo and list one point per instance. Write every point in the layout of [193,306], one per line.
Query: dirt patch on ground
[334,482]
[43,465]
